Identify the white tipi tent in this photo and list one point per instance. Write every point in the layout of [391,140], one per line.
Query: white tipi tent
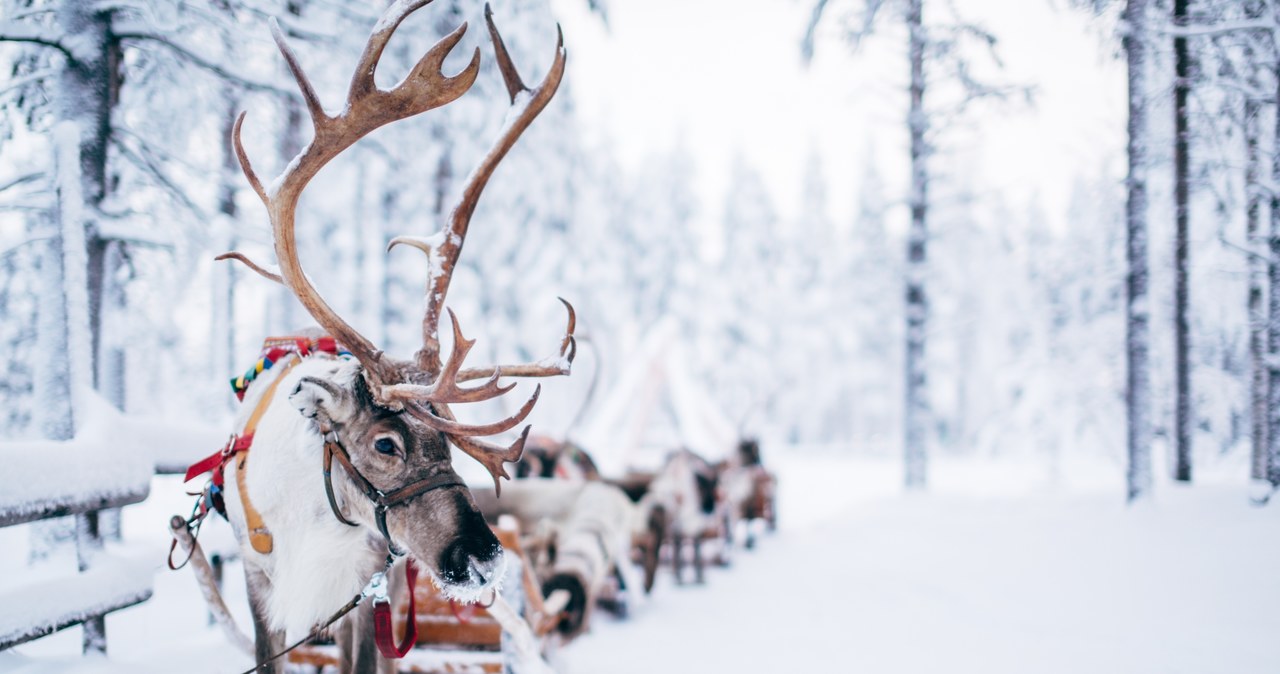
[655,407]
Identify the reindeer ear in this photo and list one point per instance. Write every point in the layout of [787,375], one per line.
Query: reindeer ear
[322,400]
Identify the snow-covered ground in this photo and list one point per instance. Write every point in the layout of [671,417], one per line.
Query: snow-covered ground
[997,569]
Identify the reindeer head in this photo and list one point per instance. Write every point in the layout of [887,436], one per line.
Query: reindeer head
[385,420]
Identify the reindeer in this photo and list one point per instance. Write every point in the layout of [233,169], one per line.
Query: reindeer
[546,457]
[748,490]
[311,533]
[581,534]
[685,494]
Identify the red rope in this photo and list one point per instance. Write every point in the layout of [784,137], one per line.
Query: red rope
[382,632]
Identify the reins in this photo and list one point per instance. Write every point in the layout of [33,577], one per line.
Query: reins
[377,589]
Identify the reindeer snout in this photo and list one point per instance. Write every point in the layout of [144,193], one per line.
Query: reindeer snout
[471,560]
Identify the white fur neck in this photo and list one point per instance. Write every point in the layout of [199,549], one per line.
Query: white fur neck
[317,563]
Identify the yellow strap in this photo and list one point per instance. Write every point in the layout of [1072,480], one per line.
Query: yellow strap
[259,535]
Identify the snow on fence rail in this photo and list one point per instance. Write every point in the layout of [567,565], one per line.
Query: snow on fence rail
[51,479]
[109,464]
[42,480]
[43,608]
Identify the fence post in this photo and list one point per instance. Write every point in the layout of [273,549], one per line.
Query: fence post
[88,545]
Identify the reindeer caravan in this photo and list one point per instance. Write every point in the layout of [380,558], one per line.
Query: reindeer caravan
[589,523]
[351,523]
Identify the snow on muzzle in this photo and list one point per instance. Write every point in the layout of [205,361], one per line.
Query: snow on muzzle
[447,533]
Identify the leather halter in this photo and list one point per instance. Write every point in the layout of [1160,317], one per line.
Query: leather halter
[382,501]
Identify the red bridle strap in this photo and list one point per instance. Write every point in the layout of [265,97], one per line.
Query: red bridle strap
[382,632]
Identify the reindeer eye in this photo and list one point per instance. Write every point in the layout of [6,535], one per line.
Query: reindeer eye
[384,446]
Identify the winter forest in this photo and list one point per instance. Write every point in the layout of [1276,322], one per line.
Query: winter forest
[904,335]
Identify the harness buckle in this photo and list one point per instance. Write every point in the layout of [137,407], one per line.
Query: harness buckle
[376,588]
[230,447]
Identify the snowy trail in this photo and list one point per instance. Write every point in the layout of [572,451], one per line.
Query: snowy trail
[861,578]
[958,584]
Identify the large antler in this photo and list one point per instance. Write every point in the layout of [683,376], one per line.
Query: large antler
[424,387]
[525,106]
[443,251]
[367,108]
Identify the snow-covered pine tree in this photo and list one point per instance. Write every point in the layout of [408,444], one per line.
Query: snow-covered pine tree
[875,359]
[931,46]
[743,307]
[811,277]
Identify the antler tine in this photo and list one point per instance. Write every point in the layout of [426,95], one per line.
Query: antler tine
[510,76]
[243,157]
[446,424]
[362,79]
[259,269]
[318,116]
[428,68]
[526,105]
[556,366]
[445,388]
[424,88]
[568,344]
[493,457]
[421,243]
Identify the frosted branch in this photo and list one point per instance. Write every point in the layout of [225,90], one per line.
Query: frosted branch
[20,180]
[24,244]
[807,44]
[19,16]
[206,64]
[12,32]
[149,167]
[27,206]
[1226,27]
[1252,92]
[19,82]
[1253,254]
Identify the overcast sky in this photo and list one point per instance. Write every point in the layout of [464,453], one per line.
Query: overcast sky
[727,76]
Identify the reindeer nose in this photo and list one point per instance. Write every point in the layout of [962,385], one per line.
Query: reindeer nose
[470,559]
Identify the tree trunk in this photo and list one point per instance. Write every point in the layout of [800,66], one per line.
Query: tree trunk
[54,414]
[222,338]
[1256,277]
[87,89]
[1273,311]
[287,314]
[107,307]
[916,411]
[1137,308]
[1181,298]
